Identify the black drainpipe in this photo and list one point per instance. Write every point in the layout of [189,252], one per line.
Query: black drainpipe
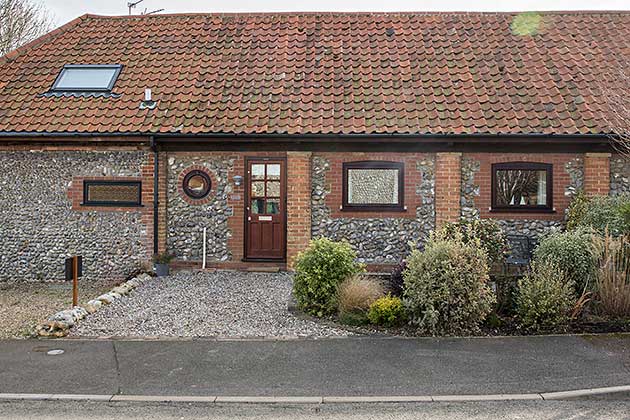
[156,173]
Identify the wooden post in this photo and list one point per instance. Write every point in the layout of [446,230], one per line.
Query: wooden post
[75,281]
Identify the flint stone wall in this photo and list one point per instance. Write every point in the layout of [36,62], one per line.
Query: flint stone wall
[619,175]
[39,229]
[376,240]
[186,221]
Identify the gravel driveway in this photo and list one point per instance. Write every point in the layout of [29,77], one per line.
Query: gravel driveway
[198,304]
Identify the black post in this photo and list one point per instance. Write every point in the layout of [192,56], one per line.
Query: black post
[156,173]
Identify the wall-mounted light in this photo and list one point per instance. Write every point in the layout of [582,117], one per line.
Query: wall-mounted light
[238,180]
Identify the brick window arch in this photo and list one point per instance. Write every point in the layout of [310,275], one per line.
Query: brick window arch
[196,185]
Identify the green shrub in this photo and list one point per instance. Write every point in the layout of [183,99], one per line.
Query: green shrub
[446,286]
[486,231]
[601,213]
[577,210]
[387,311]
[318,272]
[545,297]
[573,253]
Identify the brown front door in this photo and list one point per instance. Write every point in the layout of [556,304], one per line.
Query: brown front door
[265,210]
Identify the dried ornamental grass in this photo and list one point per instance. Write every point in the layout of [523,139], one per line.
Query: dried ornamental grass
[357,293]
[613,276]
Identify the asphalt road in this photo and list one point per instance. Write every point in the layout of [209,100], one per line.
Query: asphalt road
[525,410]
[328,367]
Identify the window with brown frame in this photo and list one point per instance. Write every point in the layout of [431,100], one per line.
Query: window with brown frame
[373,186]
[522,186]
[112,193]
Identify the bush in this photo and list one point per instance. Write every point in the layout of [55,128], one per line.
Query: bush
[318,272]
[484,232]
[387,311]
[601,213]
[396,281]
[446,286]
[613,277]
[573,253]
[357,293]
[545,297]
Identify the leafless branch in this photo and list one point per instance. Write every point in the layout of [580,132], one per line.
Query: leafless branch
[21,21]
[615,92]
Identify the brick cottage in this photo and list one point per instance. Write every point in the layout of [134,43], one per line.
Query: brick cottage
[121,137]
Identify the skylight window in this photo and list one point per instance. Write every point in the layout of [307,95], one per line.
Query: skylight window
[87,78]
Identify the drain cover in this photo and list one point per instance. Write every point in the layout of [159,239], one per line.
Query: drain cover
[54,352]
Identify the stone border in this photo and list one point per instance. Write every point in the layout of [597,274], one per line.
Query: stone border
[59,324]
[535,396]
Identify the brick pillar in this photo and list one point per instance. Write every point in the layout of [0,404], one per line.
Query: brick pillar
[162,200]
[298,203]
[597,173]
[448,185]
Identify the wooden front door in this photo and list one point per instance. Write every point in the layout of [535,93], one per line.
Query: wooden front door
[265,210]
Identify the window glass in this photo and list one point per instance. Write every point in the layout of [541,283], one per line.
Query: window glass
[197,184]
[258,189]
[95,78]
[273,206]
[372,186]
[273,189]
[258,171]
[522,185]
[258,206]
[273,171]
[111,193]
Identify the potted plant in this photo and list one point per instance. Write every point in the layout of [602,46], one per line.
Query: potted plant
[161,263]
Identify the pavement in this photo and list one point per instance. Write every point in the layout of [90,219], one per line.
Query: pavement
[336,367]
[530,410]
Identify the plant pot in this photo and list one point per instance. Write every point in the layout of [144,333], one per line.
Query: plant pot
[161,270]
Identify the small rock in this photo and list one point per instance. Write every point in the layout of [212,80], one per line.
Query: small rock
[105,299]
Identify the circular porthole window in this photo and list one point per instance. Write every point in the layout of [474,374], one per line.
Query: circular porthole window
[197,184]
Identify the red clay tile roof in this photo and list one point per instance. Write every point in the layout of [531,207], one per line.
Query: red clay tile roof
[299,73]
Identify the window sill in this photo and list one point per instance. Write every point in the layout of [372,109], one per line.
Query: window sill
[87,205]
[372,210]
[521,210]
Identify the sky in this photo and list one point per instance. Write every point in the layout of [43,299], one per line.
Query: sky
[65,10]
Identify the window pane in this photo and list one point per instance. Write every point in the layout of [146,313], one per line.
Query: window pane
[258,189]
[273,206]
[521,187]
[273,189]
[372,186]
[85,78]
[258,206]
[114,193]
[273,171]
[258,171]
[197,184]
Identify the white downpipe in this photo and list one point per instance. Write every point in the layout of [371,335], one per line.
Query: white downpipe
[203,265]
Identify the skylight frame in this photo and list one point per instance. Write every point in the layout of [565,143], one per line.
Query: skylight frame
[117,69]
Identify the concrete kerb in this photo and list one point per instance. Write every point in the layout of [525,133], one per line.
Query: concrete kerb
[559,395]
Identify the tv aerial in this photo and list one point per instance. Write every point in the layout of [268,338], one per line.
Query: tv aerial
[132,5]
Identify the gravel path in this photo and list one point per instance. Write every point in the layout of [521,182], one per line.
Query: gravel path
[197,304]
[24,305]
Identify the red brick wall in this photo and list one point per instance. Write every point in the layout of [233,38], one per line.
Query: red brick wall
[334,177]
[298,203]
[448,180]
[561,180]
[597,173]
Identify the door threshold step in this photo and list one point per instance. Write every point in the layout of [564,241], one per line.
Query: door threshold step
[264,269]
